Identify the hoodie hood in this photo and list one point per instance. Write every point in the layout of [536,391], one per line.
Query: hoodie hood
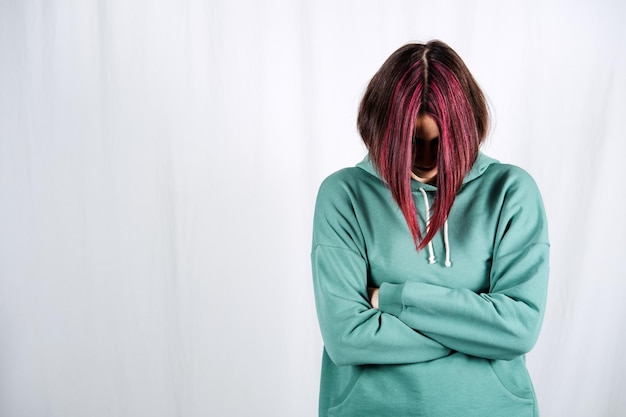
[480,166]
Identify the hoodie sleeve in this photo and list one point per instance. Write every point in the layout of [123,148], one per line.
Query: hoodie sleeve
[354,333]
[504,322]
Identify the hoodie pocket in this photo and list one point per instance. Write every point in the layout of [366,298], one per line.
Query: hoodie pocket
[514,377]
[379,390]
[348,388]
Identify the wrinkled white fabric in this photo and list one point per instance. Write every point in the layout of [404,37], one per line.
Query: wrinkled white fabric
[158,168]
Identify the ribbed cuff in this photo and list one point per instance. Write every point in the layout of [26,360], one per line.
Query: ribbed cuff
[390,298]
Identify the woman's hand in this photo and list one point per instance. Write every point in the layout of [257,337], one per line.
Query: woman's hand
[373,294]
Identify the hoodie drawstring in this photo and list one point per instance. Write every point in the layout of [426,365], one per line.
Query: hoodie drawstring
[431,252]
[446,242]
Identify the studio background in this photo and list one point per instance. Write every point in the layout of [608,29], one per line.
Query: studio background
[159,162]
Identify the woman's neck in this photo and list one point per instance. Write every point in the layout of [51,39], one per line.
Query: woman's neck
[428,177]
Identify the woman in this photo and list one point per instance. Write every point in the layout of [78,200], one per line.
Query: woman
[430,259]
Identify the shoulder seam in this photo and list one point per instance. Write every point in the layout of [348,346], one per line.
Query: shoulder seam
[316,245]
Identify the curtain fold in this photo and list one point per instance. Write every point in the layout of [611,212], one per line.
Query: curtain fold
[159,163]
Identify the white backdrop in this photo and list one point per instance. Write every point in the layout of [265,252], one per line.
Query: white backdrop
[159,162]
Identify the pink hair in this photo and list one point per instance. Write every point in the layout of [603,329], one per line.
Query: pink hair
[421,79]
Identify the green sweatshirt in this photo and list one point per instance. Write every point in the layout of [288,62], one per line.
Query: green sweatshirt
[454,319]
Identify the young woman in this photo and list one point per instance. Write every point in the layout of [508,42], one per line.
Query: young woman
[430,259]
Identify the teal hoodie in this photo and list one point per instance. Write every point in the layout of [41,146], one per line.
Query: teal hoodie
[446,340]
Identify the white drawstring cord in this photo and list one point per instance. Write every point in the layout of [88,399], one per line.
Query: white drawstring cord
[446,242]
[431,252]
